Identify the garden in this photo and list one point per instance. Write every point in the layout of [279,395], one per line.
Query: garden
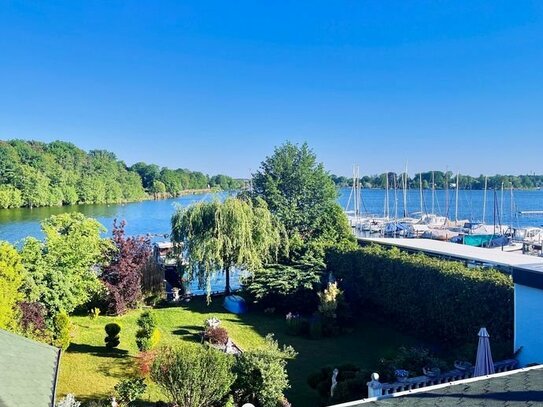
[318,305]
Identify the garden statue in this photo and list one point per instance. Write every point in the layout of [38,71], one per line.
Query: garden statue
[334,382]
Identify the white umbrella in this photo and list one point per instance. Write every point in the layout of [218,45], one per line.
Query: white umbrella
[484,364]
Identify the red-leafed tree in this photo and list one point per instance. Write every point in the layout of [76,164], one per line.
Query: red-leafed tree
[122,276]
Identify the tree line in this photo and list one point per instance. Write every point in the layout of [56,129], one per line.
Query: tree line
[442,180]
[34,174]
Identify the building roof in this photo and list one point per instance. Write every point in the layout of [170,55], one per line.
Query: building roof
[28,372]
[521,387]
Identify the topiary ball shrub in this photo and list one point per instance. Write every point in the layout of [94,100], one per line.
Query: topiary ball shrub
[112,339]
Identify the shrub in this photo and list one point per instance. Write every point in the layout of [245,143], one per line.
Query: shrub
[286,288]
[216,336]
[112,339]
[296,324]
[130,390]
[439,298]
[32,318]
[145,362]
[148,335]
[351,384]
[261,374]
[61,333]
[412,360]
[145,342]
[193,377]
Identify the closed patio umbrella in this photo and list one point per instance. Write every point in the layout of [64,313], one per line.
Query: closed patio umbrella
[484,365]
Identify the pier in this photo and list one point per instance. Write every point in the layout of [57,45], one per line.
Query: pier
[505,261]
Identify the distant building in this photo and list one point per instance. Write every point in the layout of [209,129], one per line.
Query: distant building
[28,372]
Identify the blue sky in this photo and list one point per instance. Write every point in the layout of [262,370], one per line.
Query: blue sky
[214,86]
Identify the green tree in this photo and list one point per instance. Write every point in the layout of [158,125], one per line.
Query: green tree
[262,375]
[301,194]
[220,236]
[62,269]
[11,279]
[193,376]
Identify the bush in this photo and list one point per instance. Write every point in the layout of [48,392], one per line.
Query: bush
[148,335]
[261,374]
[145,362]
[112,339]
[286,288]
[61,333]
[351,384]
[297,325]
[413,360]
[438,298]
[130,390]
[32,318]
[193,377]
[216,335]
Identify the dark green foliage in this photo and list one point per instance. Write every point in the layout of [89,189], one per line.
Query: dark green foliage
[130,390]
[148,335]
[301,195]
[261,374]
[61,331]
[193,376]
[36,174]
[411,359]
[351,384]
[112,331]
[315,327]
[290,288]
[442,299]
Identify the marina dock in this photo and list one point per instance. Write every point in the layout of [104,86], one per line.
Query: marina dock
[505,261]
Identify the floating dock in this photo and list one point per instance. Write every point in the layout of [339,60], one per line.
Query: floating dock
[502,260]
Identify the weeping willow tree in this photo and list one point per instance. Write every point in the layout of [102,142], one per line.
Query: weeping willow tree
[219,236]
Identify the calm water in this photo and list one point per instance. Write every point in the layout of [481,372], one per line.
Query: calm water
[154,216]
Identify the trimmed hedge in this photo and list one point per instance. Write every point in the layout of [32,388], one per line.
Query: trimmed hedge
[438,298]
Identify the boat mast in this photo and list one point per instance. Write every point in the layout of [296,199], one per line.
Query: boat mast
[420,187]
[395,197]
[405,192]
[484,198]
[501,207]
[386,210]
[511,211]
[456,203]
[447,193]
[433,192]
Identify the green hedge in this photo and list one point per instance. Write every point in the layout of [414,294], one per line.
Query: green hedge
[433,297]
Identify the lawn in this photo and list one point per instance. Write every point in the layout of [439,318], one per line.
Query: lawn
[89,370]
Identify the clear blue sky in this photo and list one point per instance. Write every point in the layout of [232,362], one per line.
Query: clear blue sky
[214,86]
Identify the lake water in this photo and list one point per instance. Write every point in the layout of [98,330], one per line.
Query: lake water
[153,217]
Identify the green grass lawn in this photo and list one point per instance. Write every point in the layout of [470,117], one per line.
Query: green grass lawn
[89,370]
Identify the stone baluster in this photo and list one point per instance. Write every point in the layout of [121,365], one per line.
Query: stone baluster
[375,388]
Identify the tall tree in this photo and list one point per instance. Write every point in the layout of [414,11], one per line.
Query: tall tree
[301,194]
[220,236]
[11,280]
[63,269]
[122,275]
